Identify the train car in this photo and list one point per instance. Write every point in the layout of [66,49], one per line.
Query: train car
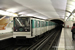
[29,27]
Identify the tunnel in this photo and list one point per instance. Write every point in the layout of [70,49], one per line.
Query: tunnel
[60,23]
[57,21]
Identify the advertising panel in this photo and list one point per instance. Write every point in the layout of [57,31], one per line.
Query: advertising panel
[4,22]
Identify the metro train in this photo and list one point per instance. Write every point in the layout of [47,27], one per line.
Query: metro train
[30,27]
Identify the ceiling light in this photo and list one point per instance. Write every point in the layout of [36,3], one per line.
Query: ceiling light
[71,16]
[15,15]
[7,13]
[71,3]
[67,13]
[1,12]
[70,8]
[22,13]
[29,15]
[13,10]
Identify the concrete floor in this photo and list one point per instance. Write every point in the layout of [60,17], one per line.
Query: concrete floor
[69,43]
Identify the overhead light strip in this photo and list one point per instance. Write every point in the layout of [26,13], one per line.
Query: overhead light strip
[7,13]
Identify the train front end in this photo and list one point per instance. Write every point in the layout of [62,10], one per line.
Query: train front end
[21,27]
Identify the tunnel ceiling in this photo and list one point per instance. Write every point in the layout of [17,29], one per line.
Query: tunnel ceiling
[57,21]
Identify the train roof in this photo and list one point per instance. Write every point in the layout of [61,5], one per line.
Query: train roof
[32,17]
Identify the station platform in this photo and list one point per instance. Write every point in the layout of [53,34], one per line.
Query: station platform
[66,42]
[5,34]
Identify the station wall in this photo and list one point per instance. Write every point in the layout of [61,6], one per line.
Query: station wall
[69,24]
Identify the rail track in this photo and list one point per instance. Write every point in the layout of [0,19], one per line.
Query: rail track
[45,43]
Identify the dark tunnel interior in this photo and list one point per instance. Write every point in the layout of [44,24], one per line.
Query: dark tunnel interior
[57,21]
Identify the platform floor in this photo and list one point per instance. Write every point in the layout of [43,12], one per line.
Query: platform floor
[69,43]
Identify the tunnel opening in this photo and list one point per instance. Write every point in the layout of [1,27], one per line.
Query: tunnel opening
[59,22]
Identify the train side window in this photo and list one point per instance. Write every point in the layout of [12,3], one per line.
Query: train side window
[42,23]
[31,23]
[35,24]
[38,23]
[45,23]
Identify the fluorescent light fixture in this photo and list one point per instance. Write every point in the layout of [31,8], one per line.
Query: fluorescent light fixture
[73,14]
[71,3]
[71,18]
[15,15]
[70,8]
[22,13]
[13,10]
[67,13]
[66,18]
[73,0]
[29,15]
[11,14]
[7,13]
[1,12]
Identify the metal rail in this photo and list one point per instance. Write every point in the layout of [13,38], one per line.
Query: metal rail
[52,42]
[45,42]
[41,42]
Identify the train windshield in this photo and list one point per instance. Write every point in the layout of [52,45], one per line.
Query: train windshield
[22,23]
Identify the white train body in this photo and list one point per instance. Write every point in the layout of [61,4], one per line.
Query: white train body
[31,27]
